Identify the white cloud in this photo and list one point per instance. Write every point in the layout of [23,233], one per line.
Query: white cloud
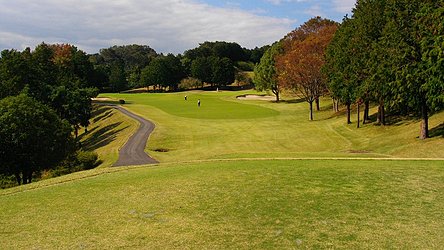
[344,6]
[315,10]
[165,25]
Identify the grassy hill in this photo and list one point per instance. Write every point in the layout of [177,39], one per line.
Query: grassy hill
[224,127]
[284,204]
[218,186]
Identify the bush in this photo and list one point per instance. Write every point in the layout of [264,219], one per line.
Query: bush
[190,83]
[7,181]
[245,66]
[87,160]
[79,161]
[243,78]
[121,101]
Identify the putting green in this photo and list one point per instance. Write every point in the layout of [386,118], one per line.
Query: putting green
[215,105]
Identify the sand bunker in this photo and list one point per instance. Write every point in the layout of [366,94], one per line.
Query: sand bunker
[101,99]
[256,97]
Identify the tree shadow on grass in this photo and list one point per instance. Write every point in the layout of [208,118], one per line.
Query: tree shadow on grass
[102,137]
[100,113]
[293,101]
[102,116]
[437,131]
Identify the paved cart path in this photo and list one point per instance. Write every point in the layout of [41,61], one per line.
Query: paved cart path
[133,152]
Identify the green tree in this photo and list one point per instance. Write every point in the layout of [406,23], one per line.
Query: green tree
[410,35]
[164,71]
[15,72]
[123,65]
[117,77]
[223,71]
[340,66]
[201,68]
[32,137]
[232,51]
[265,75]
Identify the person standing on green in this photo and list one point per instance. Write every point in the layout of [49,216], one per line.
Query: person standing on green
[198,102]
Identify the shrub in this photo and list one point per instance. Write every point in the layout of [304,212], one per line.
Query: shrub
[245,66]
[87,160]
[79,161]
[190,83]
[7,181]
[121,101]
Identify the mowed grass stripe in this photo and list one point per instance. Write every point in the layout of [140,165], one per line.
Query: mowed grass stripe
[230,205]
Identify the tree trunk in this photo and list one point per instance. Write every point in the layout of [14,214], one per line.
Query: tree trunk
[348,113]
[366,112]
[424,123]
[359,114]
[336,105]
[18,178]
[276,93]
[29,177]
[317,104]
[381,113]
[311,110]
[277,96]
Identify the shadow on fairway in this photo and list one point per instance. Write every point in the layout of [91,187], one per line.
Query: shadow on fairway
[293,101]
[102,137]
[437,131]
[103,114]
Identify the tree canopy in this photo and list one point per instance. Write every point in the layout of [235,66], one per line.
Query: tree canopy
[164,71]
[390,52]
[32,136]
[299,66]
[265,75]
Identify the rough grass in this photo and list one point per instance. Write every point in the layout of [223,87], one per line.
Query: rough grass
[233,205]
[269,129]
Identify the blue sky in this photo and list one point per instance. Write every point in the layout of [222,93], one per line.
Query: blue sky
[165,25]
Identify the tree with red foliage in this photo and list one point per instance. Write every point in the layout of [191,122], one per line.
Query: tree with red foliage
[299,67]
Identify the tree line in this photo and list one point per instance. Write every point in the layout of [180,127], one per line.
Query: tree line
[45,95]
[133,66]
[388,53]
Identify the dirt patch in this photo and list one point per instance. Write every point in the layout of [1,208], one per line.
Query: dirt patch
[256,97]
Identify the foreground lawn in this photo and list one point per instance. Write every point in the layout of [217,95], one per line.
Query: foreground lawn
[233,205]
[224,127]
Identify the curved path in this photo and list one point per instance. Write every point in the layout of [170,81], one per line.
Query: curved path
[133,152]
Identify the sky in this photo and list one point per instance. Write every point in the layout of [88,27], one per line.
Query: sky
[168,26]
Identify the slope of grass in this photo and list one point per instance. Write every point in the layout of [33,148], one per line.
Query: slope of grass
[234,205]
[108,132]
[285,132]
